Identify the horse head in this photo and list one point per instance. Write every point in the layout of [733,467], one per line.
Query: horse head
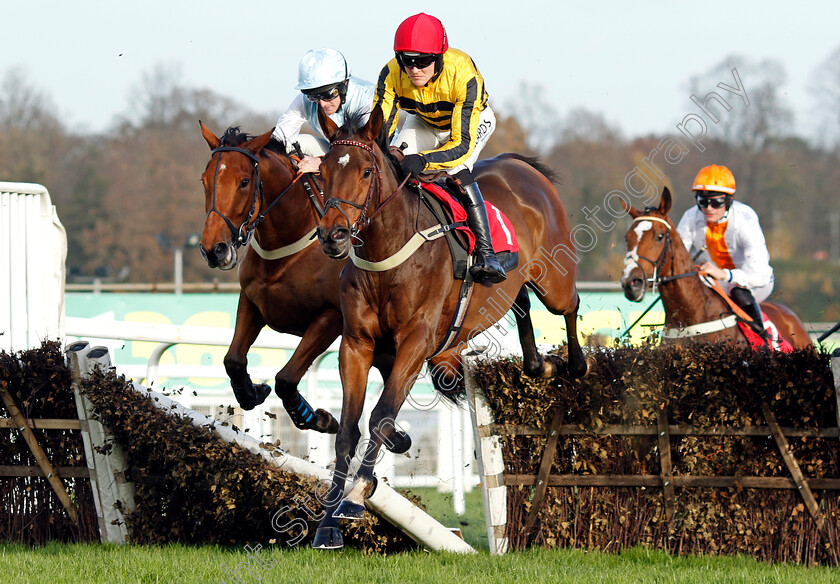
[232,192]
[650,246]
[352,174]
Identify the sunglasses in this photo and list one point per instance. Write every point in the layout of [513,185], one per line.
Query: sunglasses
[419,61]
[715,203]
[319,94]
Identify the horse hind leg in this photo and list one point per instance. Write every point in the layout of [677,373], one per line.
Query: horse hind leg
[532,362]
[577,365]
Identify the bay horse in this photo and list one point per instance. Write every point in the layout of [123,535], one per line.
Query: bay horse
[408,308]
[253,199]
[692,309]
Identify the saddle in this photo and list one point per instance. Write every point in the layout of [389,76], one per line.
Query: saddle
[772,339]
[443,203]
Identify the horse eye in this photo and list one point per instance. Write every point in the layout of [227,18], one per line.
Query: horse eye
[244,183]
[367,172]
[660,237]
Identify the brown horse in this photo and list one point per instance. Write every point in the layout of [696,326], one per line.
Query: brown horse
[409,308]
[251,192]
[692,309]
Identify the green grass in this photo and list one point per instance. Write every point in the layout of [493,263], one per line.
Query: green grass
[439,506]
[59,563]
[77,563]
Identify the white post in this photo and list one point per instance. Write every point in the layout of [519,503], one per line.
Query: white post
[459,503]
[179,270]
[107,471]
[491,464]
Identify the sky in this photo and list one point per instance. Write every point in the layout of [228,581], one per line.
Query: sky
[629,61]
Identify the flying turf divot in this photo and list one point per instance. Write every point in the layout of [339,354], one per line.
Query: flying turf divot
[385,501]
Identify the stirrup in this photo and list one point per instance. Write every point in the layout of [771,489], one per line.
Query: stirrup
[486,271]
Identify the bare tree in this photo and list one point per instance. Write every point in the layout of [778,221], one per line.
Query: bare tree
[825,82]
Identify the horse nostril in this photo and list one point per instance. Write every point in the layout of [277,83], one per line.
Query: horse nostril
[220,251]
[340,234]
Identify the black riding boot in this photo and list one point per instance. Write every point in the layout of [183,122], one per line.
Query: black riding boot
[487,266]
[746,301]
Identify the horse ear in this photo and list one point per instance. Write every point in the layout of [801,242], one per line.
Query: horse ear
[630,210]
[665,202]
[374,124]
[329,127]
[209,136]
[259,142]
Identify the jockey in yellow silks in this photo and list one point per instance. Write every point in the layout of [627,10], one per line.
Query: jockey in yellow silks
[448,121]
[735,251]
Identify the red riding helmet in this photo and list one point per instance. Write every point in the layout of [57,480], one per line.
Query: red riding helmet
[421,33]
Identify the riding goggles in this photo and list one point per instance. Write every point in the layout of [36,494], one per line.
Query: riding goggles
[418,60]
[713,202]
[321,94]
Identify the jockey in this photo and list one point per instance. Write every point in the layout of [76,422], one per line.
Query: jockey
[448,121]
[323,80]
[730,234]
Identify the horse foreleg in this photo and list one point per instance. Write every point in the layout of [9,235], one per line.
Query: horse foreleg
[383,424]
[317,339]
[354,364]
[249,322]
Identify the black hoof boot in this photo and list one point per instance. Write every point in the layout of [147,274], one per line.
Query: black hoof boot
[328,538]
[305,418]
[349,510]
[250,396]
[399,443]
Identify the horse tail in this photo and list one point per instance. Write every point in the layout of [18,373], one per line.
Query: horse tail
[534,162]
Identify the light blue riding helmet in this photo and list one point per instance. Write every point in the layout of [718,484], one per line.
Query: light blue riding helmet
[321,67]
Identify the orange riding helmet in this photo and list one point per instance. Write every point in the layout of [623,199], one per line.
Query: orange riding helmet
[715,178]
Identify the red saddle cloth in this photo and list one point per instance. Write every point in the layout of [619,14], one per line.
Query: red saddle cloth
[776,342]
[501,229]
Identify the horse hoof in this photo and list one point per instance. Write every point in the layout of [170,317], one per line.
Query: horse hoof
[326,422]
[399,443]
[328,538]
[349,510]
[251,397]
[305,418]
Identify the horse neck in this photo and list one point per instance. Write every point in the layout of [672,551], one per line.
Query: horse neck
[687,301]
[293,216]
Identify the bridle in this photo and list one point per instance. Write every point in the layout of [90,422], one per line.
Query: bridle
[659,264]
[374,189]
[242,233]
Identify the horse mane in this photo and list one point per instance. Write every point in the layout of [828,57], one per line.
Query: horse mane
[552,175]
[233,136]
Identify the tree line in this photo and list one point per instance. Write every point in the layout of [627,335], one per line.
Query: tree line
[128,195]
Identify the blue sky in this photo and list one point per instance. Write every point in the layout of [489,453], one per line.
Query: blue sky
[629,61]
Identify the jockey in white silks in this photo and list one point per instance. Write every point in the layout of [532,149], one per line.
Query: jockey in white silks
[324,81]
[733,244]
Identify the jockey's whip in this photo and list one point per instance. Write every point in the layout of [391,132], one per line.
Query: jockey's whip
[827,334]
[641,316]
